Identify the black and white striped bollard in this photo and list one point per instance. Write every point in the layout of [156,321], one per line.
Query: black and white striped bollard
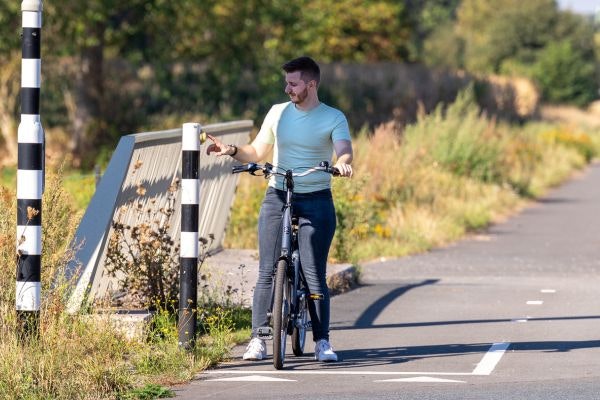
[30,174]
[188,270]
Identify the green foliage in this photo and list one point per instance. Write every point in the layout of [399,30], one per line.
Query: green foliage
[496,31]
[356,30]
[148,392]
[459,140]
[451,172]
[565,75]
[532,39]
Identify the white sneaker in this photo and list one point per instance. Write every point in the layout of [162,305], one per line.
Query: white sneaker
[256,350]
[324,352]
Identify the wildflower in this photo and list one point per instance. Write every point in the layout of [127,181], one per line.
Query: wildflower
[141,190]
[31,212]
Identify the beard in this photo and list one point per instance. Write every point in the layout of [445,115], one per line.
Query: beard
[299,97]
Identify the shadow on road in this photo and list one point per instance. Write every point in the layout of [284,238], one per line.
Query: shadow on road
[373,357]
[367,318]
[460,322]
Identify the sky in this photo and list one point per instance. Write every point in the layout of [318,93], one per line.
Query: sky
[580,6]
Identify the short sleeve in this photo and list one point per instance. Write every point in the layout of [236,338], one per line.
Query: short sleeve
[341,130]
[266,134]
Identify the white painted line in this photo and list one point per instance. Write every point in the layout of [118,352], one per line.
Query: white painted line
[547,291]
[252,378]
[519,320]
[330,372]
[484,367]
[535,302]
[491,359]
[422,379]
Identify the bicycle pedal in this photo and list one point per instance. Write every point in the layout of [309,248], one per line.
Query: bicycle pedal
[264,333]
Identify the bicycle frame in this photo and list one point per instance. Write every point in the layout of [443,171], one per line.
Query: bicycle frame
[288,311]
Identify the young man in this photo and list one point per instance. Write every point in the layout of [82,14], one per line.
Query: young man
[304,132]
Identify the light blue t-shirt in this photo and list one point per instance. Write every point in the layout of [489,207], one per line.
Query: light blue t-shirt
[303,139]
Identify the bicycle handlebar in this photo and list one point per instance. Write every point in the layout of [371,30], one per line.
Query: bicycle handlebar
[269,169]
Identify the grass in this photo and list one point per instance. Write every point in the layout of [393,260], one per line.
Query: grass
[454,171]
[79,185]
[78,357]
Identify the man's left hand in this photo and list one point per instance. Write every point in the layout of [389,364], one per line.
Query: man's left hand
[345,169]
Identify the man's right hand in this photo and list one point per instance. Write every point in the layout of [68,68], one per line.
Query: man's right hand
[218,147]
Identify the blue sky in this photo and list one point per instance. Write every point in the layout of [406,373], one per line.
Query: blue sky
[580,6]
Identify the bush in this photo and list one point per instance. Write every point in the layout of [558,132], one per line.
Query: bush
[565,75]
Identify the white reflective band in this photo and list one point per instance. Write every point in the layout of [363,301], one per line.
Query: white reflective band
[189,245]
[30,118]
[31,72]
[32,19]
[30,129]
[28,296]
[29,184]
[190,139]
[29,239]
[190,191]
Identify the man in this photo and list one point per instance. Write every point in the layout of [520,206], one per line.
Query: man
[304,132]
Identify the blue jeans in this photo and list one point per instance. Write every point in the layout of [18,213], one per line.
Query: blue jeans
[316,227]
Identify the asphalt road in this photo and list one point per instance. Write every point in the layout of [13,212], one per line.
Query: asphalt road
[513,313]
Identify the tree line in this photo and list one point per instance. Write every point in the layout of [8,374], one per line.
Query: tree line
[111,68]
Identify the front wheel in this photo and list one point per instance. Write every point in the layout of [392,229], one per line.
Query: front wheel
[281,312]
[299,334]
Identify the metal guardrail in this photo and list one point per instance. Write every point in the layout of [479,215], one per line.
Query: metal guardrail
[150,162]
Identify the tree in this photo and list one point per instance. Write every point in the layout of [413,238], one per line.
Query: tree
[533,39]
[495,32]
[565,75]
[357,30]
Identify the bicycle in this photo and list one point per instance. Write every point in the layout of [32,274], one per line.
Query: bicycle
[289,309]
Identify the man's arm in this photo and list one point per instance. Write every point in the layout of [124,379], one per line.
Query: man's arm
[344,153]
[254,152]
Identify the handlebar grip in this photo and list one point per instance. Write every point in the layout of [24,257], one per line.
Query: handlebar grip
[236,169]
[334,171]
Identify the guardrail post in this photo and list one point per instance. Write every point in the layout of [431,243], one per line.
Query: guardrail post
[188,270]
[30,175]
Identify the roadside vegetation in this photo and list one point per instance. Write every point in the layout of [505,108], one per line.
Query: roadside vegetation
[451,173]
[85,356]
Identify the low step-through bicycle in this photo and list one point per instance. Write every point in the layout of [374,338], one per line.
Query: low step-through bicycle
[289,301]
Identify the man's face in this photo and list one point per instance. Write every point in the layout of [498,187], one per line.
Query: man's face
[295,87]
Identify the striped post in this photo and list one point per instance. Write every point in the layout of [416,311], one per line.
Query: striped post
[30,174]
[188,270]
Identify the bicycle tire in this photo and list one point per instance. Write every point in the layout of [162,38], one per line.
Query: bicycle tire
[281,310]
[299,333]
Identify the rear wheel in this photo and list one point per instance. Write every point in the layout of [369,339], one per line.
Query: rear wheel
[281,312]
[299,334]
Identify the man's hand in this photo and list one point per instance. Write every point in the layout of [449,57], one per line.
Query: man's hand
[218,147]
[345,169]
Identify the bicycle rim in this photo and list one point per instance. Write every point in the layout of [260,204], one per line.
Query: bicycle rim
[281,310]
[299,334]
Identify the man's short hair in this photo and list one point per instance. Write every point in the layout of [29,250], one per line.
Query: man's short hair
[309,69]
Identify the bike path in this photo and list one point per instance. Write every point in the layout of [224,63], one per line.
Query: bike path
[515,315]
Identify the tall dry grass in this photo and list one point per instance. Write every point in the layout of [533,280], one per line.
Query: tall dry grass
[85,356]
[452,172]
